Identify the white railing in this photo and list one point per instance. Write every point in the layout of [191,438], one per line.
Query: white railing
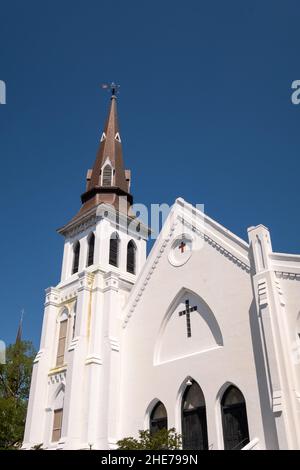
[253,445]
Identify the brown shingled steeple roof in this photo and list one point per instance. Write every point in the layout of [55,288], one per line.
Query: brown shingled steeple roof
[108,180]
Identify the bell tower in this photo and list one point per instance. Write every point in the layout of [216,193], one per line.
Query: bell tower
[120,240]
[74,396]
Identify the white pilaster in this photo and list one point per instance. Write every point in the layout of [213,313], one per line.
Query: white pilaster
[74,394]
[36,413]
[273,336]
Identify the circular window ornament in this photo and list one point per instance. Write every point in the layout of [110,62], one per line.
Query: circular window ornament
[181,251]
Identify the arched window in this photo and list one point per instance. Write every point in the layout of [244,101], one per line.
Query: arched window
[107,175]
[62,338]
[74,319]
[91,248]
[76,255]
[158,418]
[114,250]
[234,419]
[194,427]
[131,257]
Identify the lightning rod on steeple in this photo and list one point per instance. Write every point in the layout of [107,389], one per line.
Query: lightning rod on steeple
[113,87]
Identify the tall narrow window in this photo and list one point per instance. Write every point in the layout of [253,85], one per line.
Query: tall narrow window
[107,175]
[194,427]
[234,419]
[57,425]
[131,257]
[158,418]
[114,250]
[91,247]
[76,257]
[62,342]
[74,319]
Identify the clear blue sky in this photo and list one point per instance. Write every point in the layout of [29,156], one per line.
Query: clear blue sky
[204,108]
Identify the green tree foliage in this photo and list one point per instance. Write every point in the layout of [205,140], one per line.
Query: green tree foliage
[162,439]
[15,378]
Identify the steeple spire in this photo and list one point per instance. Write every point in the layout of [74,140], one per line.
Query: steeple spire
[20,328]
[108,180]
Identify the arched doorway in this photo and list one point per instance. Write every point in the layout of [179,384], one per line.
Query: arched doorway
[193,413]
[158,418]
[234,419]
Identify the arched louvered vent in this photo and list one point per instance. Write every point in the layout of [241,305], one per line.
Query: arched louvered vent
[114,250]
[107,175]
[91,248]
[76,255]
[131,257]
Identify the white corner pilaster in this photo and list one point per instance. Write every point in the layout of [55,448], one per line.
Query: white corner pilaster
[273,339]
[36,412]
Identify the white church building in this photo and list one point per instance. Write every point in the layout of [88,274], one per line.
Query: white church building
[203,335]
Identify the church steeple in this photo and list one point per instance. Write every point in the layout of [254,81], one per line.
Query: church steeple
[108,180]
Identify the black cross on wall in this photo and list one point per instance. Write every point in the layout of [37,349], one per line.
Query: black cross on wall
[187,312]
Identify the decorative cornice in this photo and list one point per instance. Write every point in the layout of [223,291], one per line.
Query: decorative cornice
[52,296]
[286,275]
[79,225]
[104,212]
[58,375]
[85,281]
[111,281]
[216,245]
[69,298]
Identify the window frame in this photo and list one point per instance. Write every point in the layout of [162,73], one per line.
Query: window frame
[76,257]
[91,243]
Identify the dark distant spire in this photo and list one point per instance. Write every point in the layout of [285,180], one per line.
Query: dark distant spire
[20,328]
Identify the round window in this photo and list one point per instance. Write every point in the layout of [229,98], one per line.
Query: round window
[180,251]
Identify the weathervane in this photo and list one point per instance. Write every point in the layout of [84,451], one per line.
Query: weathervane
[112,87]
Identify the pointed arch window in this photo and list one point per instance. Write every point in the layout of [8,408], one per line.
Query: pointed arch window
[62,338]
[234,419]
[131,257]
[158,418]
[114,250]
[193,415]
[91,249]
[107,175]
[76,255]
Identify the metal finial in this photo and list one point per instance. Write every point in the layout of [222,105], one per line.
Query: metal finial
[113,87]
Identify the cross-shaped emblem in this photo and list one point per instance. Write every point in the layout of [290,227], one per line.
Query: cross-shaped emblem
[182,246]
[187,312]
[112,87]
